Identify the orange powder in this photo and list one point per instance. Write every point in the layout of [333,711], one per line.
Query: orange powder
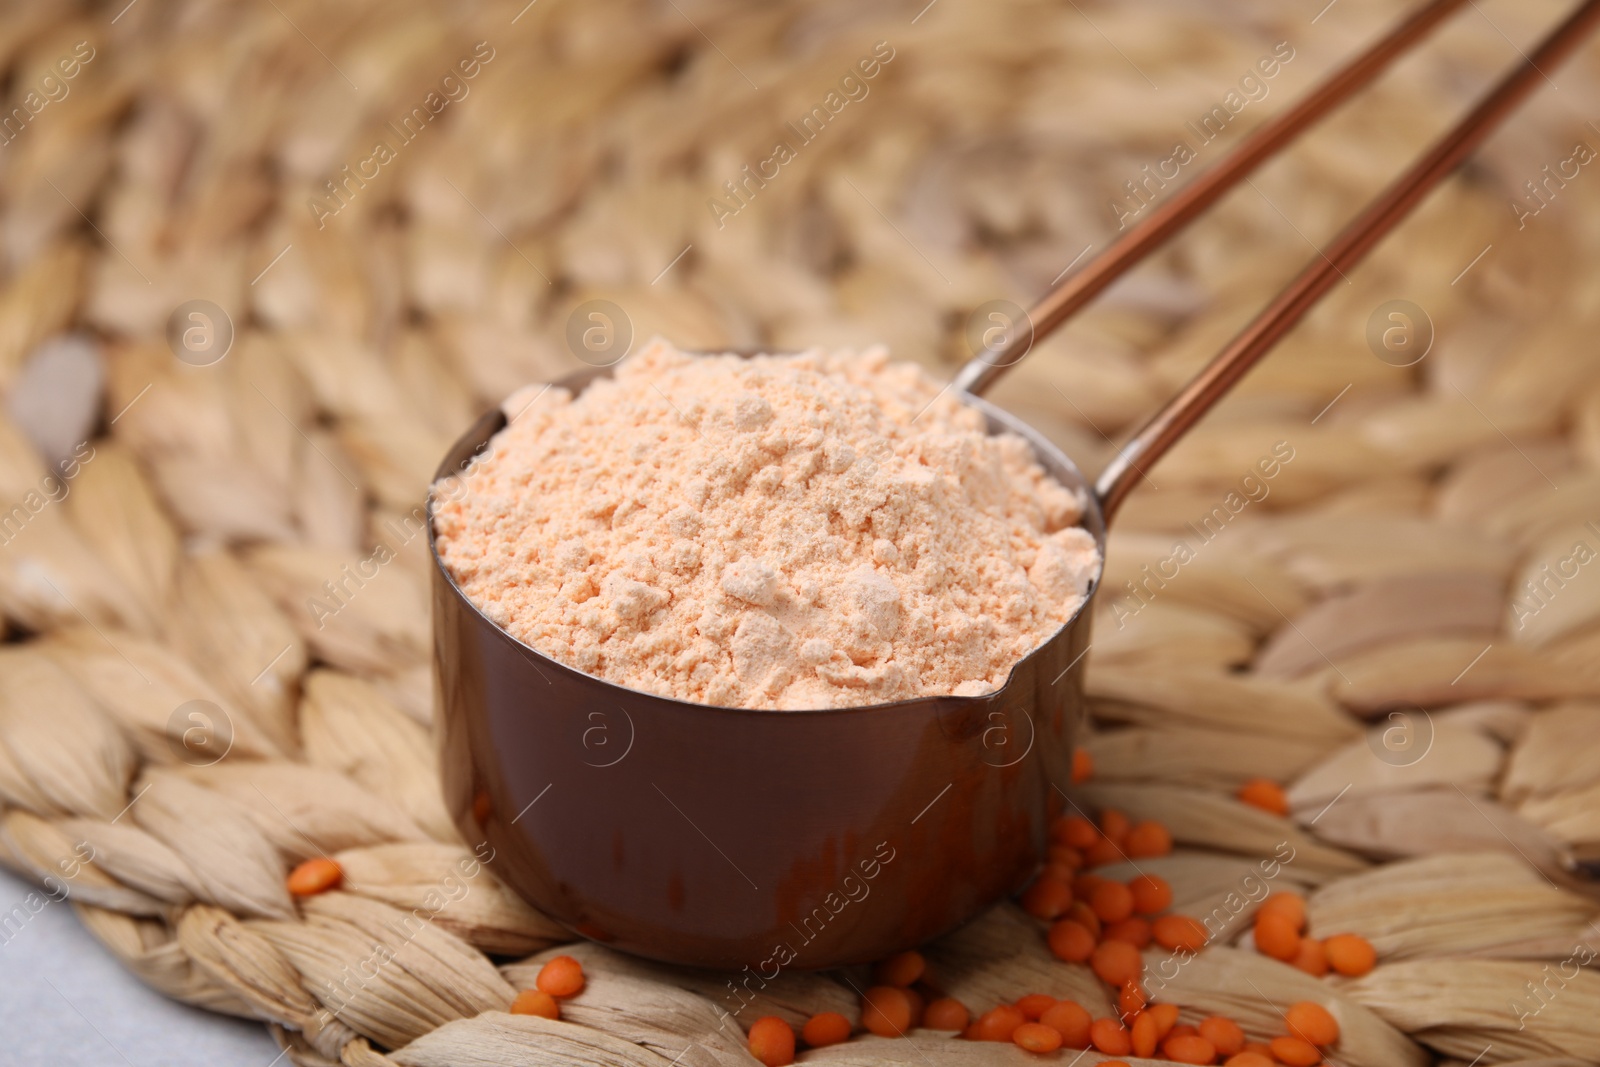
[823,530]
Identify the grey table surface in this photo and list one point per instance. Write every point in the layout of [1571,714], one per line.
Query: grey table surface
[65,1000]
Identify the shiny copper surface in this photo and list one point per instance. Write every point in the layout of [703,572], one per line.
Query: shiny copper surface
[724,837]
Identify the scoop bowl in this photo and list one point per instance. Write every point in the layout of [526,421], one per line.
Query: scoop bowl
[745,838]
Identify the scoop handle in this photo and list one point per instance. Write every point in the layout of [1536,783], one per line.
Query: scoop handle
[1165,219]
[1358,237]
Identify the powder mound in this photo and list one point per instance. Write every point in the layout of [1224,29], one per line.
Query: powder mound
[822,530]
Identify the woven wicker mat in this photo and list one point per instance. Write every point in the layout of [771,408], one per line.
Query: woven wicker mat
[1400,623]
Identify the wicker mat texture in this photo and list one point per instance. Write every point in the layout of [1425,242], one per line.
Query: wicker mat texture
[1401,625]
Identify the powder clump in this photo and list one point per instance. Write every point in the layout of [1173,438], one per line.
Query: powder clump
[821,530]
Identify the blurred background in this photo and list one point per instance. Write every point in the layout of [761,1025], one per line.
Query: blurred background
[398,244]
[265,259]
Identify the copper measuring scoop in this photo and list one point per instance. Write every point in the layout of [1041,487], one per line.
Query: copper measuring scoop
[765,840]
